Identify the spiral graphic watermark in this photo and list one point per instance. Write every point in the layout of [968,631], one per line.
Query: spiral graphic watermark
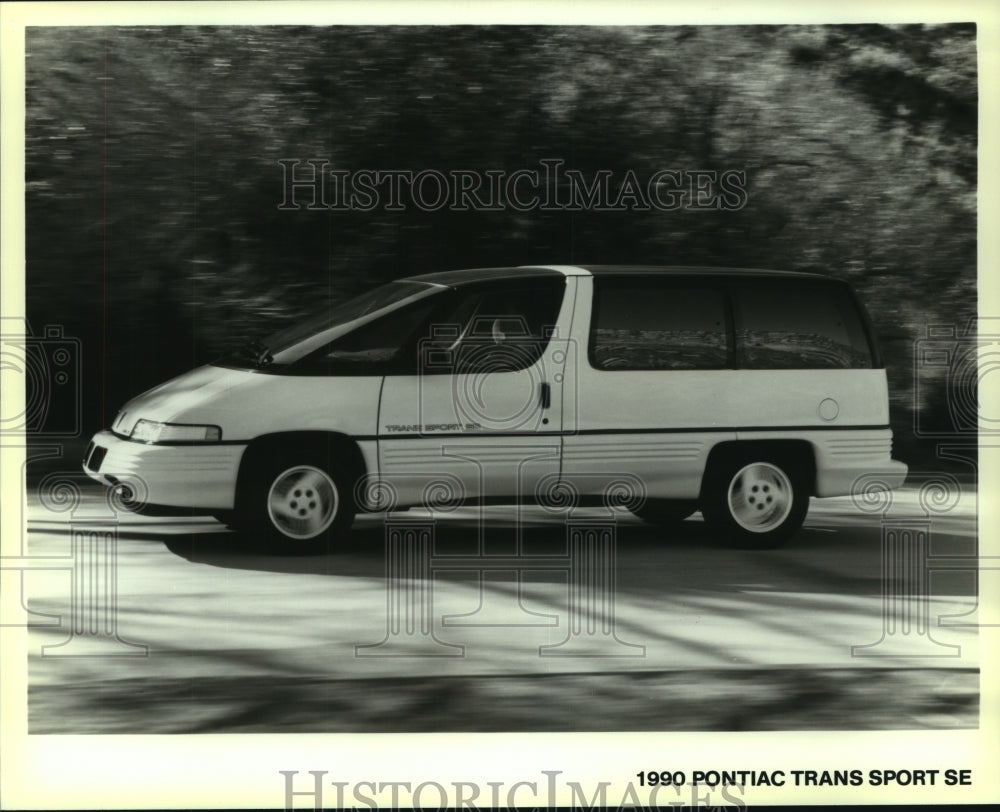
[60,492]
[444,494]
[627,492]
[555,495]
[939,494]
[129,494]
[872,493]
[373,492]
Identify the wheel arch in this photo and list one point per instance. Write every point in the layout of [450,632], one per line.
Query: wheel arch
[797,452]
[342,453]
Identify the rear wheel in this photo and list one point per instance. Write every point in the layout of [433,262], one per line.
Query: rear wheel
[297,502]
[757,501]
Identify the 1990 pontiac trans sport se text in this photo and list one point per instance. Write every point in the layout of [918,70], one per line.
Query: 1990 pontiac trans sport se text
[737,392]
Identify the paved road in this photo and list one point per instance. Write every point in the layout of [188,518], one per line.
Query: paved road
[210,635]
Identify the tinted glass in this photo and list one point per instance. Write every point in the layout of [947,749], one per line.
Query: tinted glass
[657,324]
[493,329]
[303,338]
[376,345]
[795,325]
[346,312]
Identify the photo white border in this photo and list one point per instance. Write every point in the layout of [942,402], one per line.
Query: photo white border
[228,771]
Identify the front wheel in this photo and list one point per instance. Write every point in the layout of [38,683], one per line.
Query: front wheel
[756,501]
[297,503]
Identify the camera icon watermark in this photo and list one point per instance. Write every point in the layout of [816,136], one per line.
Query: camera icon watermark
[952,368]
[493,375]
[50,367]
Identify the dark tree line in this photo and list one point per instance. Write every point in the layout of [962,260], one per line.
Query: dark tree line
[154,231]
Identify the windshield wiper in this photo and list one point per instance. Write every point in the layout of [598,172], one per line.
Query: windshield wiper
[258,353]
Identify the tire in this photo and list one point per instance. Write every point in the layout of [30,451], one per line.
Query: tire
[297,503]
[757,501]
[666,511]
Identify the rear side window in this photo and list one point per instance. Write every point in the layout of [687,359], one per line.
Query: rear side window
[657,324]
[796,325]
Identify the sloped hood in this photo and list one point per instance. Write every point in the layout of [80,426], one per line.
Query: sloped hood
[187,398]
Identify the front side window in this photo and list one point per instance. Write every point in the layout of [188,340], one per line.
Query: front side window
[500,328]
[798,325]
[656,324]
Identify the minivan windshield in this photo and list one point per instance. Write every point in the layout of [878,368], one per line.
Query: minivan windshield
[294,342]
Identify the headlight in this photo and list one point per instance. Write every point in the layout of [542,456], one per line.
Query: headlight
[149,431]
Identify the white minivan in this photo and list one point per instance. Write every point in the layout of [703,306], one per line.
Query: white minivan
[740,393]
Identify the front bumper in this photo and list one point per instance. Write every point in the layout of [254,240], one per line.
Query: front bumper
[201,476]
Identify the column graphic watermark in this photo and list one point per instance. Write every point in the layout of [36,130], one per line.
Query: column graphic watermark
[409,584]
[909,559]
[16,563]
[498,606]
[92,623]
[589,565]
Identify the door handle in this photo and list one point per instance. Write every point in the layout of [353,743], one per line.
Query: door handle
[546,393]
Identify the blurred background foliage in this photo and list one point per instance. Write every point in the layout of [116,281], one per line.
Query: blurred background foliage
[153,183]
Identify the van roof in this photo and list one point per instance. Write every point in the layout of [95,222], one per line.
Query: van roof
[472,275]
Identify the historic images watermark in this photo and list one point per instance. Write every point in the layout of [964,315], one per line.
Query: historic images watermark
[312,184]
[548,791]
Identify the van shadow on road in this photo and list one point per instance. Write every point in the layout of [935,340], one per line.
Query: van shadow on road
[828,557]
[690,598]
